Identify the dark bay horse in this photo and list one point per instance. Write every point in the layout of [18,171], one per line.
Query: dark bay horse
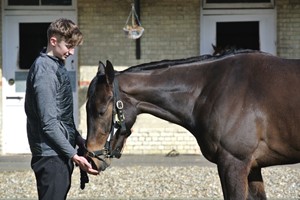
[243,109]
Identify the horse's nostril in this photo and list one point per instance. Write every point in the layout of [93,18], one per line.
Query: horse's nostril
[103,167]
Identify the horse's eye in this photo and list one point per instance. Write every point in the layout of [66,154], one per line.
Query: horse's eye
[102,111]
[100,114]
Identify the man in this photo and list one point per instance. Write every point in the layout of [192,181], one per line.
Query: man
[51,130]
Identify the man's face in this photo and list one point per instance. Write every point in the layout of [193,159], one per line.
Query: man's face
[61,49]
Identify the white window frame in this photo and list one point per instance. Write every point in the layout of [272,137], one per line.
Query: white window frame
[265,17]
[206,5]
[40,7]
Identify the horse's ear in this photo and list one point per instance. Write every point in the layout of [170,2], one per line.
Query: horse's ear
[214,47]
[101,68]
[109,72]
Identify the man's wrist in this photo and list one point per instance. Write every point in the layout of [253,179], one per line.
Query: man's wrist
[75,158]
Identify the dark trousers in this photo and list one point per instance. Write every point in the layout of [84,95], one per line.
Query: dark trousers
[53,176]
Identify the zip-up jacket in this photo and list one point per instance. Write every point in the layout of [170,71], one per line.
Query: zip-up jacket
[49,108]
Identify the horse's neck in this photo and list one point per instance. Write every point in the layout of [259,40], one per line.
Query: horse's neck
[169,96]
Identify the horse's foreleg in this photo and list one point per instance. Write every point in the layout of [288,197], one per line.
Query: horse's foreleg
[233,175]
[256,185]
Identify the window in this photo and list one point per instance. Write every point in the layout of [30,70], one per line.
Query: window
[237,1]
[237,35]
[23,3]
[238,29]
[33,38]
[38,4]
[221,4]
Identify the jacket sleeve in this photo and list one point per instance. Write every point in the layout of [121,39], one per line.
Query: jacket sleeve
[45,87]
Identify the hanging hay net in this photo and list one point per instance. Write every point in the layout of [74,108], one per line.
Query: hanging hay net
[133,30]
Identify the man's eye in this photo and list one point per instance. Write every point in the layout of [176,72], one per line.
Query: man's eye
[70,46]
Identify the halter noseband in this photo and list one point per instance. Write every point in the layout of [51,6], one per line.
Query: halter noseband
[118,124]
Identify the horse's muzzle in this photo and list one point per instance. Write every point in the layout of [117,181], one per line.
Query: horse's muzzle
[117,153]
[98,163]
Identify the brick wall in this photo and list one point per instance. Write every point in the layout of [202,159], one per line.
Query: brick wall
[288,28]
[1,135]
[171,31]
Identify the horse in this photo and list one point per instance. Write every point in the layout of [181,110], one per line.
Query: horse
[243,108]
[221,50]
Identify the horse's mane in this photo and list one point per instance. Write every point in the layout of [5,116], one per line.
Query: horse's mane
[168,63]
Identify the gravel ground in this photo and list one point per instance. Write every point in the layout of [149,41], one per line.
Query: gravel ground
[152,182]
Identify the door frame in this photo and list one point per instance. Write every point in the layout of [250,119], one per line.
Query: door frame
[265,17]
[19,16]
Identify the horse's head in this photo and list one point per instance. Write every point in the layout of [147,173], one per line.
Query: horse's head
[105,120]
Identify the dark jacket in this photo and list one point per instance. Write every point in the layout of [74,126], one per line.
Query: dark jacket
[49,108]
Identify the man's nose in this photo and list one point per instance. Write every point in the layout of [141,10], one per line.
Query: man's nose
[71,51]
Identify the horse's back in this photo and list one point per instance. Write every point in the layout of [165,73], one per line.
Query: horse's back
[264,75]
[256,108]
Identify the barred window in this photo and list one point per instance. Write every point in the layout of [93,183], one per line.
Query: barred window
[39,2]
[219,4]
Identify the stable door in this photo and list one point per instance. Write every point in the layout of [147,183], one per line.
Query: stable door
[23,39]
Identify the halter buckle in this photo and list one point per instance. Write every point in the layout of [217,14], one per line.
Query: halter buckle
[91,154]
[119,104]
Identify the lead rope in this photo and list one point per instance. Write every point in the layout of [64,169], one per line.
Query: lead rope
[83,174]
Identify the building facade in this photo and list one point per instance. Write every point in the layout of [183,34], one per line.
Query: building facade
[173,29]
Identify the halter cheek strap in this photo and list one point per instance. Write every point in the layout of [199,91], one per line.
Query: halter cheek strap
[118,123]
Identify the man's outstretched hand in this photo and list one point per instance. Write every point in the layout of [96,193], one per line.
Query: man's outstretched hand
[84,164]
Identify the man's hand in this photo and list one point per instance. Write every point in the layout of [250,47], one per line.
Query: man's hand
[84,164]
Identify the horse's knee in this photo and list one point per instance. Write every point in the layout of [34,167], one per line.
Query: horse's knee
[233,175]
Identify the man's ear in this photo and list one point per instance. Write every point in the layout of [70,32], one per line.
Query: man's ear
[53,41]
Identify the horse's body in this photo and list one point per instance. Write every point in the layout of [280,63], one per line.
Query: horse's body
[243,109]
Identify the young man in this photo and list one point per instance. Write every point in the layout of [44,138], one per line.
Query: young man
[51,130]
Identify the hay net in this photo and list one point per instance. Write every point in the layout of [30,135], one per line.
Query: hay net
[133,30]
